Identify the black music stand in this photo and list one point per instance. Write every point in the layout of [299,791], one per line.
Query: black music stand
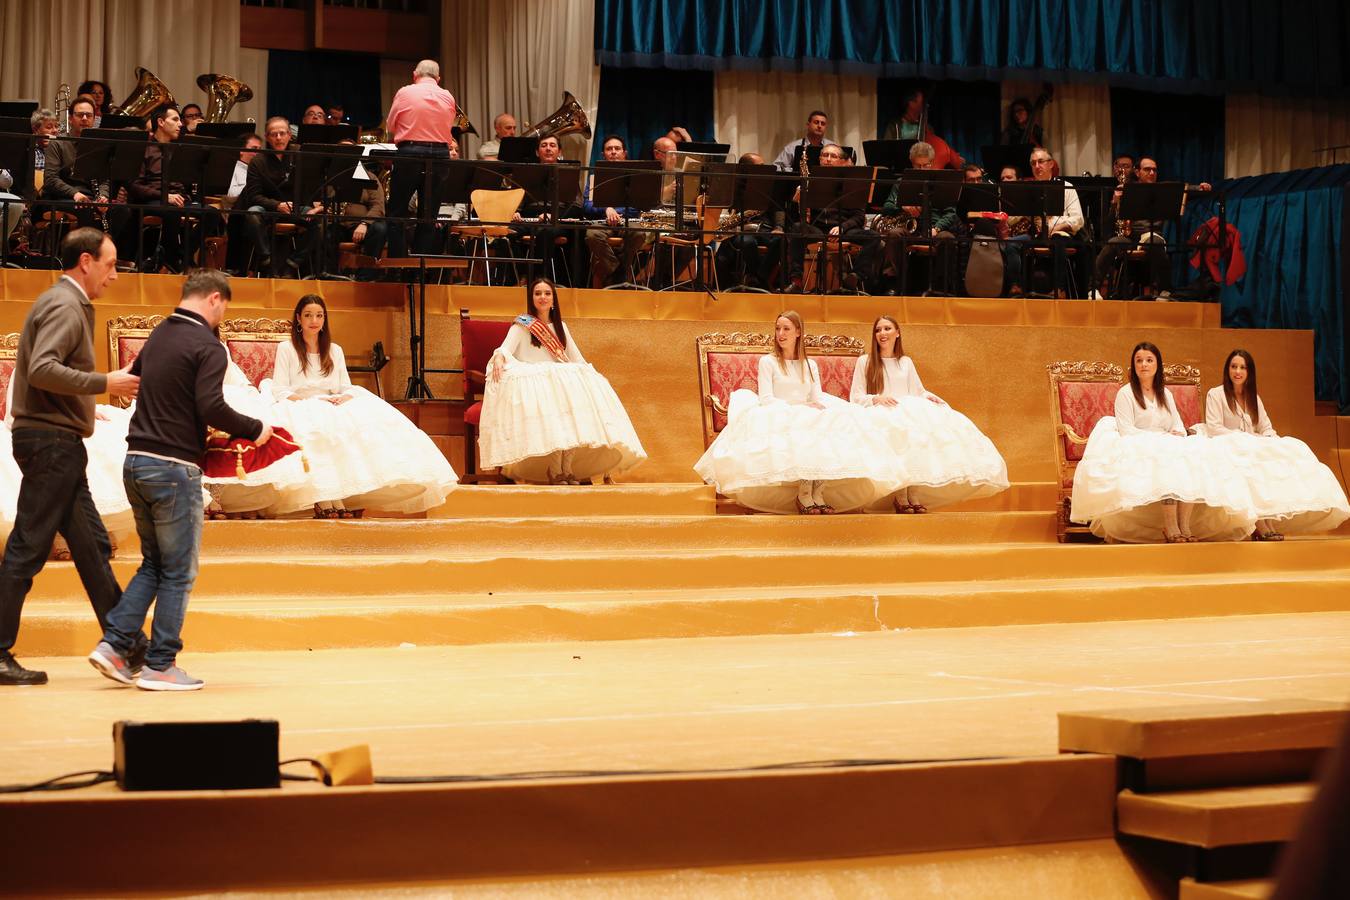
[836,187]
[893,155]
[324,174]
[518,150]
[997,157]
[111,155]
[120,123]
[326,134]
[1094,194]
[748,188]
[1034,198]
[18,109]
[812,152]
[626,185]
[224,130]
[1158,202]
[711,148]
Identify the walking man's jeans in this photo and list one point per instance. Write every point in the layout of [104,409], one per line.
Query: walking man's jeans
[166,499]
[54,497]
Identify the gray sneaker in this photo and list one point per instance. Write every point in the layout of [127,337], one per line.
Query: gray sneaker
[111,664]
[171,679]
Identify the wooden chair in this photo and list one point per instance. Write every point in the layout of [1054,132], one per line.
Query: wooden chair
[729,362]
[1081,394]
[834,257]
[709,217]
[477,339]
[493,209]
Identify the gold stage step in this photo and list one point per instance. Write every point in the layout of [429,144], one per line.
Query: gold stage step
[522,500]
[1246,889]
[250,614]
[560,534]
[1221,817]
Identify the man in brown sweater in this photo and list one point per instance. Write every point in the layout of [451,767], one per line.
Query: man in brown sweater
[54,389]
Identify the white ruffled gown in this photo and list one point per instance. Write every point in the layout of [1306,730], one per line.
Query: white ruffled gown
[775,440]
[363,453]
[106,449]
[1287,481]
[264,488]
[542,407]
[939,454]
[1140,457]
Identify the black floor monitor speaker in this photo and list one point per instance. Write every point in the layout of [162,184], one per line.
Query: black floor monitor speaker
[194,756]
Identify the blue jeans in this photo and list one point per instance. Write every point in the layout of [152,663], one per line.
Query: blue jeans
[166,499]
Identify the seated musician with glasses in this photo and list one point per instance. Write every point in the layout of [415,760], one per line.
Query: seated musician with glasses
[900,225]
[832,226]
[269,189]
[1058,232]
[606,266]
[59,179]
[537,219]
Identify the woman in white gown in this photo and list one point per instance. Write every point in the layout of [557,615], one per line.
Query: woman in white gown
[548,416]
[794,447]
[263,489]
[941,456]
[362,452]
[1292,491]
[1143,479]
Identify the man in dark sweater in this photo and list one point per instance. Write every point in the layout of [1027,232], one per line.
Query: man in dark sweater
[54,387]
[182,368]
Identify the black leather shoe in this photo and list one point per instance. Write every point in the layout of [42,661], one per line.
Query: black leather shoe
[13,673]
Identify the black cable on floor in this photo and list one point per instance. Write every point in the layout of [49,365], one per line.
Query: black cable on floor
[61,782]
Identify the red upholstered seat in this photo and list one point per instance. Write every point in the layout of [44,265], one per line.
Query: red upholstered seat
[1190,406]
[731,370]
[478,340]
[128,348]
[1081,405]
[257,358]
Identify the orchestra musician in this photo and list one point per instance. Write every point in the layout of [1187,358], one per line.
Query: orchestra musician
[760,228]
[268,188]
[547,236]
[816,123]
[1062,230]
[1020,129]
[913,126]
[504,126]
[941,226]
[837,224]
[59,181]
[192,115]
[604,262]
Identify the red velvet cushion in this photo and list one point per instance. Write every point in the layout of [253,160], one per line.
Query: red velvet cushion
[1081,405]
[836,374]
[6,373]
[1189,405]
[474,413]
[128,348]
[478,340]
[257,358]
[727,372]
[226,455]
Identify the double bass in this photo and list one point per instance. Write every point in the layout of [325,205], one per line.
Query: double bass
[944,156]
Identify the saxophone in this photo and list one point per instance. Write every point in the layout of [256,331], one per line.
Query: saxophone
[902,224]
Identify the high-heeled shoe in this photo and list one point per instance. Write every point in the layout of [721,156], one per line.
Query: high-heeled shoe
[804,510]
[1173,537]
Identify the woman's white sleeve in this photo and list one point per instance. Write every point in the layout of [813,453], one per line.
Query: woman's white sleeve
[817,392]
[344,379]
[857,392]
[573,351]
[1125,410]
[285,370]
[1263,426]
[1214,401]
[511,343]
[766,364]
[913,384]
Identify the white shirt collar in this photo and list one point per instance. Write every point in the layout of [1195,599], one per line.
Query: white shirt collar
[79,287]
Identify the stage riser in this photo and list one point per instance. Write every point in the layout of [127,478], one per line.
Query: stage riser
[316,623]
[312,836]
[559,535]
[377,576]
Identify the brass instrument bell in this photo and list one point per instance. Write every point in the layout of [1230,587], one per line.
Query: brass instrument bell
[222,93]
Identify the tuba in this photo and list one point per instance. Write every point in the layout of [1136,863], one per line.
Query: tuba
[222,93]
[569,118]
[148,95]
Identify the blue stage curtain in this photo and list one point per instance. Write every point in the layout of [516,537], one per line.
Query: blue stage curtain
[295,79]
[1292,226]
[1296,46]
[640,105]
[1184,134]
[963,113]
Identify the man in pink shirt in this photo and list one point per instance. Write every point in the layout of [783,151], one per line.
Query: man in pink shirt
[420,119]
